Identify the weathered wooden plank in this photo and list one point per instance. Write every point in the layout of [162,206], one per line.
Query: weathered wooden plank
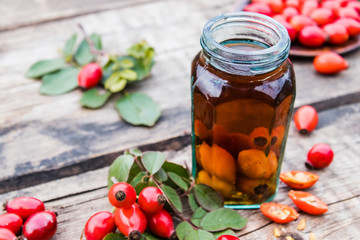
[47,135]
[15,14]
[342,221]
[62,126]
[78,197]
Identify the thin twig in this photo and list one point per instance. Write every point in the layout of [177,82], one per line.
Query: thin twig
[177,213]
[91,43]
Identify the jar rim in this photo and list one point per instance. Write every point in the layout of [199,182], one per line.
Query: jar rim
[277,52]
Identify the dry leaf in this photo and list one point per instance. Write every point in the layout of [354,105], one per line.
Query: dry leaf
[312,236]
[289,238]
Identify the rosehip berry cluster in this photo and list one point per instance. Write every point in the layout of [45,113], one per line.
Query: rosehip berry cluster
[30,214]
[130,217]
[313,22]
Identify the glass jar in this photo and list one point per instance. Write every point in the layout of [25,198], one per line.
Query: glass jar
[242,90]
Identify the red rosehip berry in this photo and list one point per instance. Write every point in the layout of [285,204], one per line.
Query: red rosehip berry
[329,63]
[259,7]
[40,226]
[6,234]
[289,12]
[308,7]
[337,33]
[99,225]
[355,5]
[299,22]
[121,195]
[312,36]
[131,221]
[161,224]
[293,3]
[24,207]
[89,75]
[351,25]
[322,16]
[11,221]
[151,200]
[291,31]
[306,119]
[320,156]
[227,237]
[348,12]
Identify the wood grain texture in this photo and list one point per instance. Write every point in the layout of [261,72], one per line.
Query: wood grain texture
[18,13]
[76,198]
[44,138]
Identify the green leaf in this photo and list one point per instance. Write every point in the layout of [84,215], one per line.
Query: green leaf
[173,197]
[183,229]
[138,109]
[161,175]
[43,67]
[120,169]
[83,54]
[93,99]
[149,236]
[198,216]
[60,82]
[69,47]
[137,179]
[178,181]
[128,74]
[207,197]
[135,152]
[118,85]
[135,170]
[221,219]
[96,38]
[126,63]
[225,232]
[192,202]
[144,56]
[140,186]
[153,161]
[114,236]
[199,235]
[114,77]
[176,168]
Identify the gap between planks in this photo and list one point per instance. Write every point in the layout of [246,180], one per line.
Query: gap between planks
[174,143]
[78,14]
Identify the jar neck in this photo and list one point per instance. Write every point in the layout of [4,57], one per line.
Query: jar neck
[245,43]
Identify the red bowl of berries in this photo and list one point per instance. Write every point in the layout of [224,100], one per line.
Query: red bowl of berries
[313,25]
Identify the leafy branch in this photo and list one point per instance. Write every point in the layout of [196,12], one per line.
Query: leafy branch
[60,76]
[207,218]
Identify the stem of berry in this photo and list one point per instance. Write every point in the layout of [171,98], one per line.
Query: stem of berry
[158,184]
[91,44]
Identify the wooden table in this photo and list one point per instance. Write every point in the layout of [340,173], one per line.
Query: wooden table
[53,149]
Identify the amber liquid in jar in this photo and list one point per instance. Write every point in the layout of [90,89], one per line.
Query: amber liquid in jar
[239,127]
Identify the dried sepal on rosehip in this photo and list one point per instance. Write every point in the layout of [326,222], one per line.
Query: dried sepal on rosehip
[151,200]
[121,195]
